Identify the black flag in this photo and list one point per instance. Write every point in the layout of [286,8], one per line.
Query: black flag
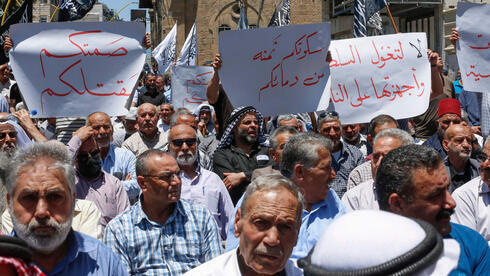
[21,15]
[281,16]
[74,9]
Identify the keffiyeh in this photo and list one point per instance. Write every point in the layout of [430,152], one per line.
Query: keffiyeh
[235,117]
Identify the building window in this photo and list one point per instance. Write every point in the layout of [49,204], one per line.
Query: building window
[223,27]
[43,19]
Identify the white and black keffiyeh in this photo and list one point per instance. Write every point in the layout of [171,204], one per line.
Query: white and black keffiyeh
[235,117]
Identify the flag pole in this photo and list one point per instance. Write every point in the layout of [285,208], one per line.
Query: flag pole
[391,17]
[6,10]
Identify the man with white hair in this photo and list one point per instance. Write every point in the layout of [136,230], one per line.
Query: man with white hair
[363,196]
[41,196]
[267,224]
[199,186]
[473,199]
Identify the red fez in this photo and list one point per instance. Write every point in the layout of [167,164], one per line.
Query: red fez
[449,106]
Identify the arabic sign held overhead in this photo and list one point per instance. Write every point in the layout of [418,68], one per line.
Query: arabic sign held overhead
[73,69]
[189,85]
[278,70]
[473,47]
[376,75]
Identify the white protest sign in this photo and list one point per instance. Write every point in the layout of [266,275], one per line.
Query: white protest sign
[376,75]
[189,85]
[473,47]
[277,70]
[73,69]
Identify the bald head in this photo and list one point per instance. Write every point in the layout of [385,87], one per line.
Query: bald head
[183,144]
[457,129]
[101,123]
[457,144]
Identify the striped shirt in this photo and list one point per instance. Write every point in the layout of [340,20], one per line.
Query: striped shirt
[188,238]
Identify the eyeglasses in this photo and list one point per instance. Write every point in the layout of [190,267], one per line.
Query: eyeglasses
[179,142]
[166,176]
[12,134]
[482,157]
[83,156]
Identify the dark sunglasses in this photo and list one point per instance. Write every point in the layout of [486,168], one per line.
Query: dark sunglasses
[12,134]
[83,156]
[179,142]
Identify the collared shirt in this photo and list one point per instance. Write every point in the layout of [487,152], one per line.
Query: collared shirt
[362,144]
[117,160]
[207,190]
[106,192]
[138,144]
[227,265]
[435,143]
[312,225]
[88,256]
[350,157]
[472,170]
[473,206]
[474,258]
[234,160]
[162,126]
[360,174]
[363,196]
[188,238]
[86,219]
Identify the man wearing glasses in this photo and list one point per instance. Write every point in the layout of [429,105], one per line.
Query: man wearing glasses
[94,184]
[162,234]
[199,186]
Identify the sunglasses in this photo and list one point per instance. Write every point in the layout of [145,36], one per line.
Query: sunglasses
[83,156]
[179,142]
[329,113]
[12,134]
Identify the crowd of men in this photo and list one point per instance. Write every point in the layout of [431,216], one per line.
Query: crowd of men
[221,190]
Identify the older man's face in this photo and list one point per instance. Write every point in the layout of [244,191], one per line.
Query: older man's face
[381,148]
[159,83]
[485,164]
[281,139]
[8,138]
[268,230]
[350,132]
[331,129]
[41,206]
[430,199]
[163,183]
[458,142]
[101,123]
[166,112]
[147,119]
[183,144]
[248,128]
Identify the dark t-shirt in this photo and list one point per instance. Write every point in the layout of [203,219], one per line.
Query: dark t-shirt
[156,99]
[223,109]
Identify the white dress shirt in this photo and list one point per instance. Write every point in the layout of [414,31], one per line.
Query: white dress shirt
[227,265]
[361,197]
[473,206]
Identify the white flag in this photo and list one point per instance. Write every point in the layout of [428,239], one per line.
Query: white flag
[189,50]
[164,53]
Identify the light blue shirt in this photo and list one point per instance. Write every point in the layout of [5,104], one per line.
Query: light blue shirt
[88,256]
[124,161]
[312,226]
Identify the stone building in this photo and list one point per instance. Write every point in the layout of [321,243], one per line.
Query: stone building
[434,17]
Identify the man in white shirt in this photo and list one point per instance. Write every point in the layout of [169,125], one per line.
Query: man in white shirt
[473,199]
[268,224]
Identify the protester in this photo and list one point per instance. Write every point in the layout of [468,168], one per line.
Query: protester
[363,172]
[352,136]
[149,93]
[5,82]
[287,120]
[207,127]
[363,196]
[267,224]
[130,127]
[449,113]
[166,112]
[472,199]
[162,234]
[344,156]
[93,183]
[412,181]
[278,140]
[459,164]
[147,136]
[422,251]
[199,185]
[241,150]
[41,193]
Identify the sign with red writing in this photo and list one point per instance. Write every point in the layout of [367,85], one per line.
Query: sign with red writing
[376,75]
[73,69]
[189,85]
[473,47]
[277,70]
